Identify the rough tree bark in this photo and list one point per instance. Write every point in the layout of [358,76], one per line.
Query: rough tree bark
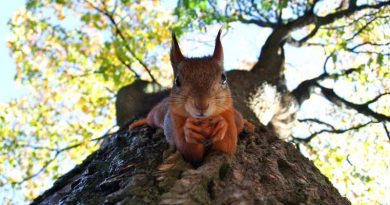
[139,167]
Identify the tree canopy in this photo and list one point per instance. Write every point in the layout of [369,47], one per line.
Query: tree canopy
[74,55]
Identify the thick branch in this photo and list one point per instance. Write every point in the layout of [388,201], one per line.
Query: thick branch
[330,95]
[302,41]
[256,22]
[281,34]
[303,91]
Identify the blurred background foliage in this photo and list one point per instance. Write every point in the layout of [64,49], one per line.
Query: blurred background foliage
[74,55]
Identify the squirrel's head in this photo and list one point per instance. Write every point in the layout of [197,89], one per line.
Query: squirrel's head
[200,86]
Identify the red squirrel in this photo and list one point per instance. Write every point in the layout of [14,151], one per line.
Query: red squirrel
[199,111]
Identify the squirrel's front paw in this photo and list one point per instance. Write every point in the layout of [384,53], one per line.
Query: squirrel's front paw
[220,127]
[193,131]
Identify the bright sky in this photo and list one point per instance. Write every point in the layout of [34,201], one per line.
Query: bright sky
[8,88]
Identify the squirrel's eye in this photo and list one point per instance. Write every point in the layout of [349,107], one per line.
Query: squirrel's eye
[223,79]
[177,82]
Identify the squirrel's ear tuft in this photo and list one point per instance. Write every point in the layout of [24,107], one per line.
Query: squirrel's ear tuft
[176,55]
[218,50]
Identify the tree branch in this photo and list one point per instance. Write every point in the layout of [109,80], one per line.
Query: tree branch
[361,29]
[119,33]
[303,91]
[259,19]
[352,22]
[256,22]
[282,33]
[330,95]
[302,41]
[375,98]
[386,130]
[332,130]
[317,121]
[354,48]
[368,43]
[57,151]
[128,66]
[330,18]
[310,17]
[279,12]
[45,165]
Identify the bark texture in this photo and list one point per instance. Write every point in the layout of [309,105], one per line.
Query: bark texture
[139,167]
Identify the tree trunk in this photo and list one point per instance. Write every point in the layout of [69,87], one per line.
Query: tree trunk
[139,167]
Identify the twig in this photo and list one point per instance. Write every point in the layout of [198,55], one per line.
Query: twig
[375,98]
[128,66]
[57,152]
[317,121]
[387,131]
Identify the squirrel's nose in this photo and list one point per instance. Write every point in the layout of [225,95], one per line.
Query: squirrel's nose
[201,106]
